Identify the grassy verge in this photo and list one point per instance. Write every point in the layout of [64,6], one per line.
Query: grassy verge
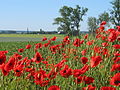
[33,35]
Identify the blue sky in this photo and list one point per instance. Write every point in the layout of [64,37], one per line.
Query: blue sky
[36,14]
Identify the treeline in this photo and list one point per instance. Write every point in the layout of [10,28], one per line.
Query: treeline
[70,18]
[27,32]
[38,32]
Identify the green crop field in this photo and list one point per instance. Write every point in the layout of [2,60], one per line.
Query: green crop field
[27,37]
[32,35]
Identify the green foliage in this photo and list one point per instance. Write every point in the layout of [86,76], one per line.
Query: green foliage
[115,12]
[104,17]
[70,19]
[92,24]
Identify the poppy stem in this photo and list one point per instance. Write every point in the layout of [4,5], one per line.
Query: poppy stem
[3,82]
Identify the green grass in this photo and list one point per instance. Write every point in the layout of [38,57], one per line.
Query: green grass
[59,36]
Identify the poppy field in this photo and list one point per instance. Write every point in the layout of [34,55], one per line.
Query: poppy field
[87,62]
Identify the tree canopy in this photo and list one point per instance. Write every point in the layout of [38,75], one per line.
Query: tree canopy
[92,24]
[69,20]
[115,12]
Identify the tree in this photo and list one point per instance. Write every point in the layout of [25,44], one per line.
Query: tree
[104,17]
[77,15]
[92,24]
[64,21]
[70,19]
[115,12]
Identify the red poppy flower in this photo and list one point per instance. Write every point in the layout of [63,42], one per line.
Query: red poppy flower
[82,41]
[45,62]
[3,52]
[86,36]
[117,60]
[28,46]
[38,45]
[115,67]
[118,28]
[101,28]
[66,40]
[4,72]
[98,36]
[88,80]
[95,61]
[18,70]
[104,38]
[60,64]
[105,51]
[79,80]
[118,38]
[84,60]
[97,49]
[107,88]
[116,54]
[54,48]
[111,30]
[39,76]
[37,58]
[21,50]
[54,38]
[78,72]
[89,87]
[85,68]
[47,44]
[44,39]
[54,87]
[112,36]
[116,46]
[84,52]
[105,44]
[66,72]
[77,42]
[44,83]
[103,23]
[115,80]
[52,74]
[2,58]
[90,42]
[10,64]
[29,69]
[17,56]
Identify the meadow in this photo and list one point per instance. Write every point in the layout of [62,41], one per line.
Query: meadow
[33,35]
[27,37]
[84,63]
